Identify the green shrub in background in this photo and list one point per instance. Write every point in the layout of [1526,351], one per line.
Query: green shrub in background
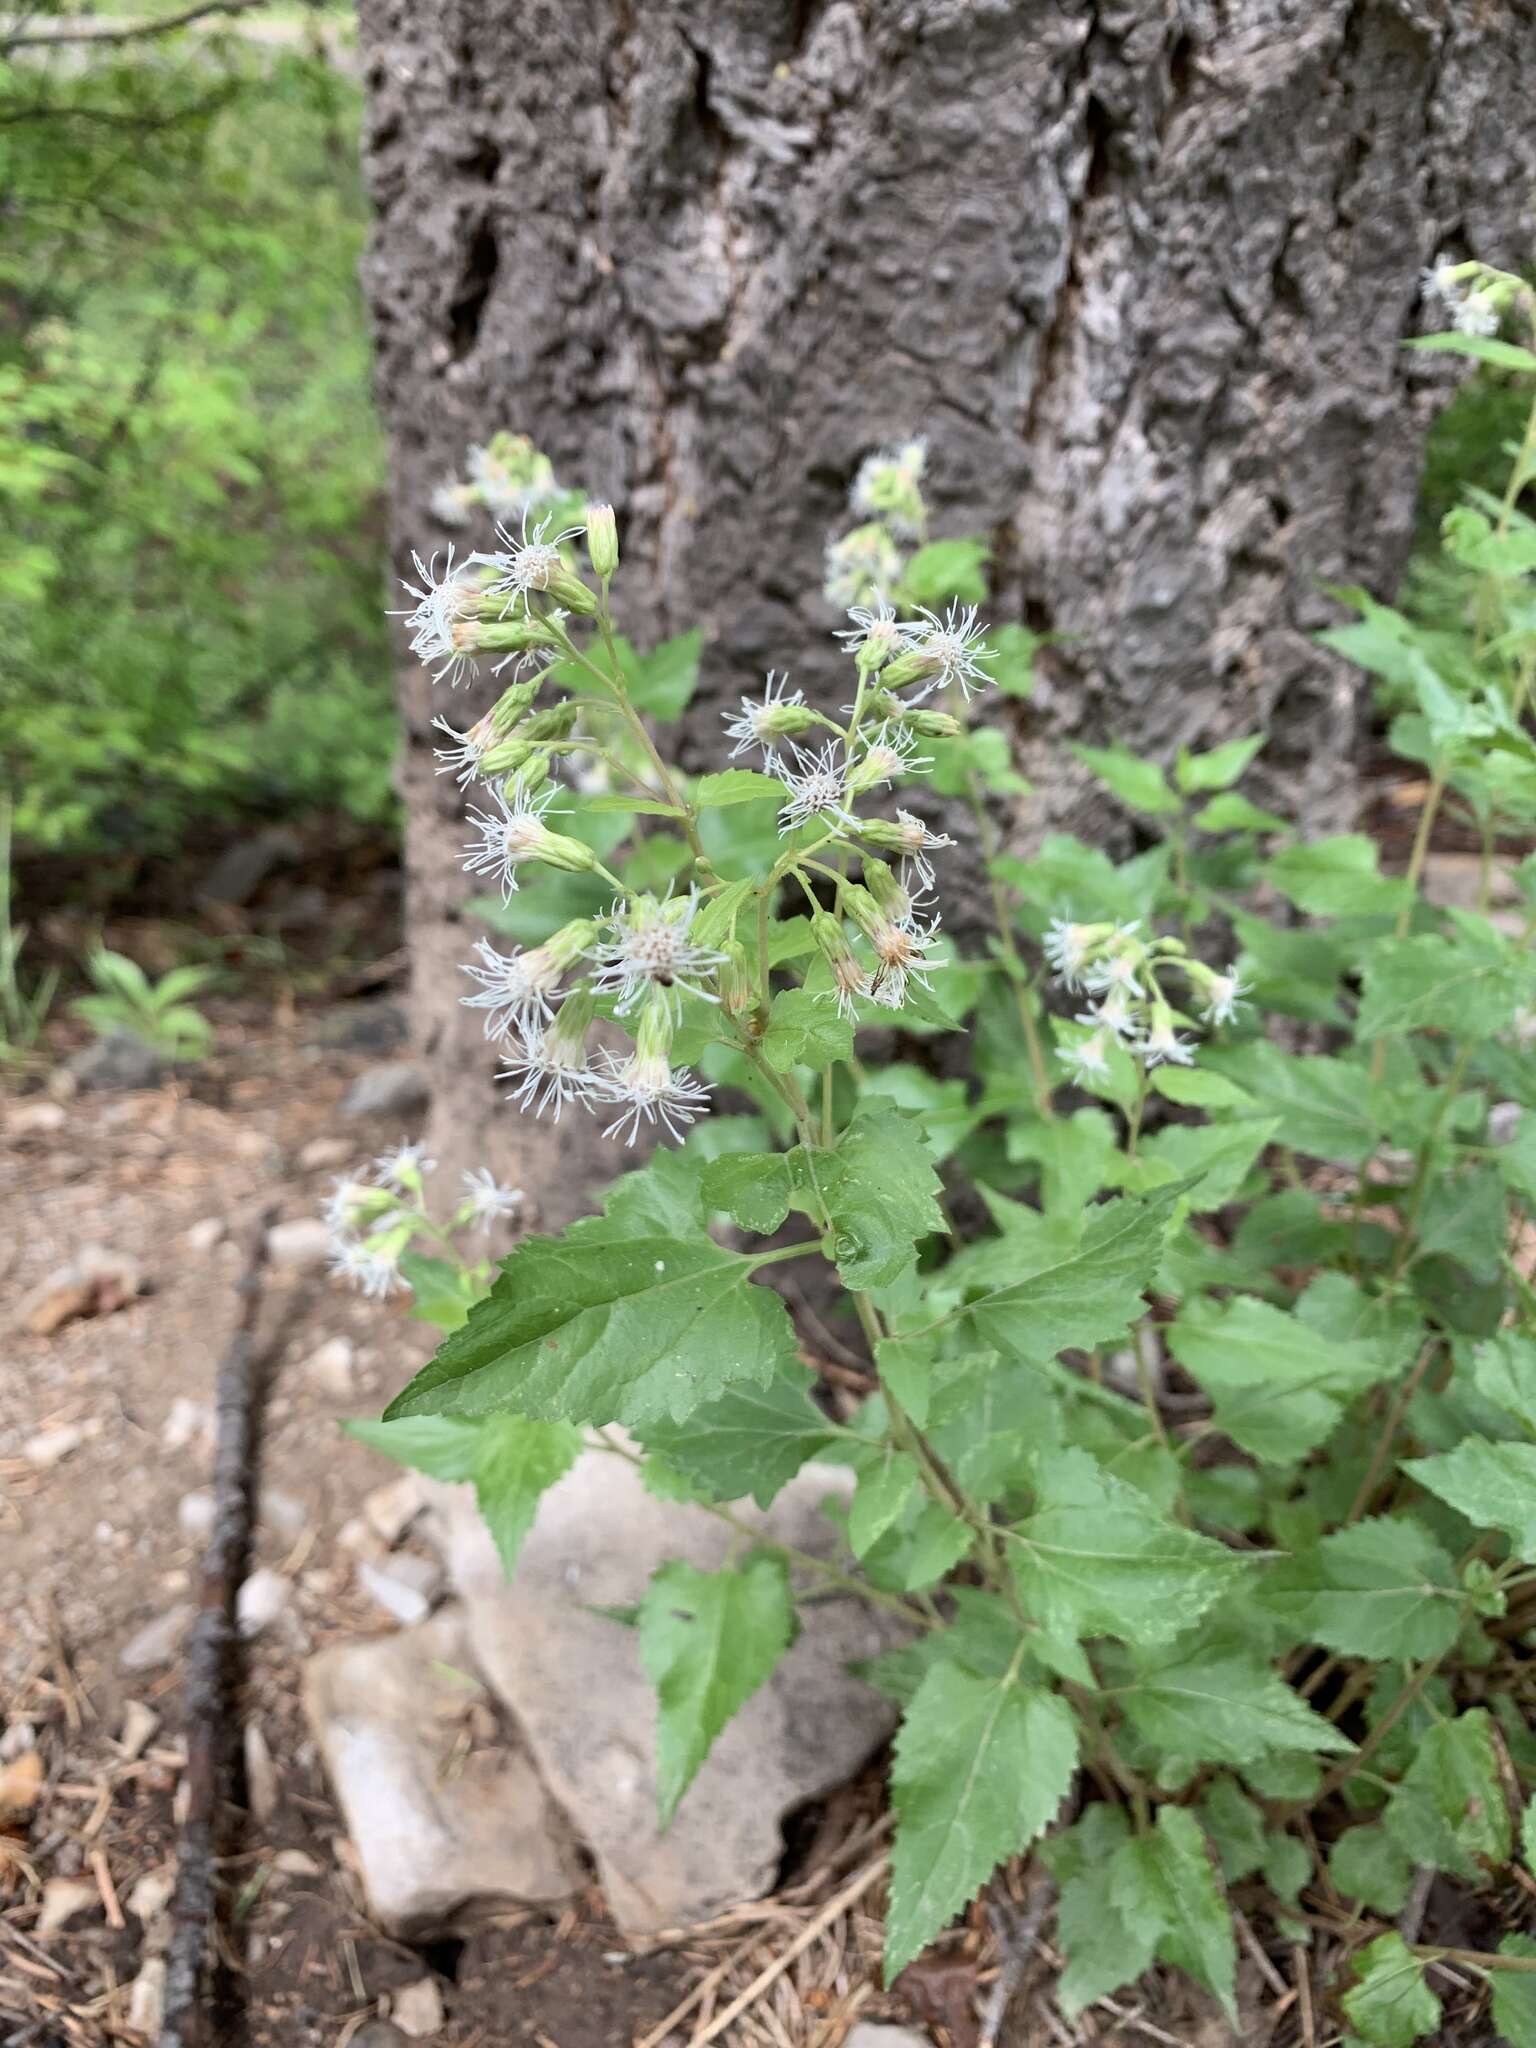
[189,466]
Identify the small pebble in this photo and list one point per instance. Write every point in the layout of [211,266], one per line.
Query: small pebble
[404,1587]
[390,1510]
[300,1245]
[146,1999]
[417,2009]
[322,1153]
[202,1237]
[151,1894]
[189,1425]
[329,1368]
[260,1601]
[139,1724]
[51,1447]
[34,1119]
[63,1898]
[157,1642]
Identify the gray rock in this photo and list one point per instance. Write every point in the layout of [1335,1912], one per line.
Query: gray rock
[872,2034]
[394,1088]
[434,1829]
[331,1368]
[1503,1123]
[241,869]
[378,2034]
[117,1061]
[573,1679]
[261,1599]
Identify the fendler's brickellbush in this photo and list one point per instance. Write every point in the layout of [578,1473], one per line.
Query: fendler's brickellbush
[1204,1474]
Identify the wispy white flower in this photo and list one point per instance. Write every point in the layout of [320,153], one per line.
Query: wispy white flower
[761,721]
[1440,284]
[487,1199]
[1477,314]
[1163,1043]
[649,944]
[405,1164]
[1089,1059]
[888,487]
[860,565]
[524,565]
[1117,962]
[514,832]
[341,1206]
[918,841]
[375,1270]
[900,947]
[515,988]
[647,1088]
[876,633]
[550,1068]
[445,606]
[1117,1014]
[850,980]
[817,782]
[953,650]
[450,502]
[889,752]
[1068,946]
[510,477]
[1223,993]
[463,758]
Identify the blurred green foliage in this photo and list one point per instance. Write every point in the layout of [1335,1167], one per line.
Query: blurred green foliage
[190,470]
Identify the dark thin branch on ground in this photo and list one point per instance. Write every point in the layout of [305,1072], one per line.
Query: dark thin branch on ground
[1018,1932]
[75,29]
[210,1657]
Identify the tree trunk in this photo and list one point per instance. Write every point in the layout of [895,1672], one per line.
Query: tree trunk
[1138,271]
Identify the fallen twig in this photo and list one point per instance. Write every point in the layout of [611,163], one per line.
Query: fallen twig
[209,1657]
[1017,1931]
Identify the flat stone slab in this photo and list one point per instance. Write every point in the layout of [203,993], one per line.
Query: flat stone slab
[436,1830]
[573,1680]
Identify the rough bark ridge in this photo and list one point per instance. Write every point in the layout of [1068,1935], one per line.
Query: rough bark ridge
[1138,270]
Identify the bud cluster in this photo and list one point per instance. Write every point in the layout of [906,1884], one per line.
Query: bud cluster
[375,1214]
[1131,1008]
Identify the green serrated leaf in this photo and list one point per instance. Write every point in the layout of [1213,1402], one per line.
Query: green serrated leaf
[1102,1951]
[1366,1865]
[1237,1827]
[888,1481]
[1279,1387]
[662,682]
[1433,984]
[1382,1588]
[594,1327]
[878,1186]
[945,569]
[753,1188]
[1391,2005]
[1140,784]
[1219,768]
[1161,1883]
[805,1030]
[708,1640]
[736,786]
[1492,1484]
[511,1462]
[752,1440]
[981,1767]
[1449,1811]
[1224,1708]
[1230,812]
[1338,877]
[1084,1297]
[1096,1558]
[1514,1994]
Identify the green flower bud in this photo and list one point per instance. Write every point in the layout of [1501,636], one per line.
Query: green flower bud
[554,724]
[513,705]
[558,850]
[931,725]
[567,589]
[602,540]
[734,983]
[502,636]
[570,944]
[655,1028]
[861,907]
[911,667]
[883,886]
[505,758]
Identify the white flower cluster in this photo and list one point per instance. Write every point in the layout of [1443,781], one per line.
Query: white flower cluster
[636,965]
[1474,294]
[507,478]
[374,1214]
[1124,974]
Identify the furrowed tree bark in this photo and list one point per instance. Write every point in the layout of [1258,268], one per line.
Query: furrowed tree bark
[1140,272]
